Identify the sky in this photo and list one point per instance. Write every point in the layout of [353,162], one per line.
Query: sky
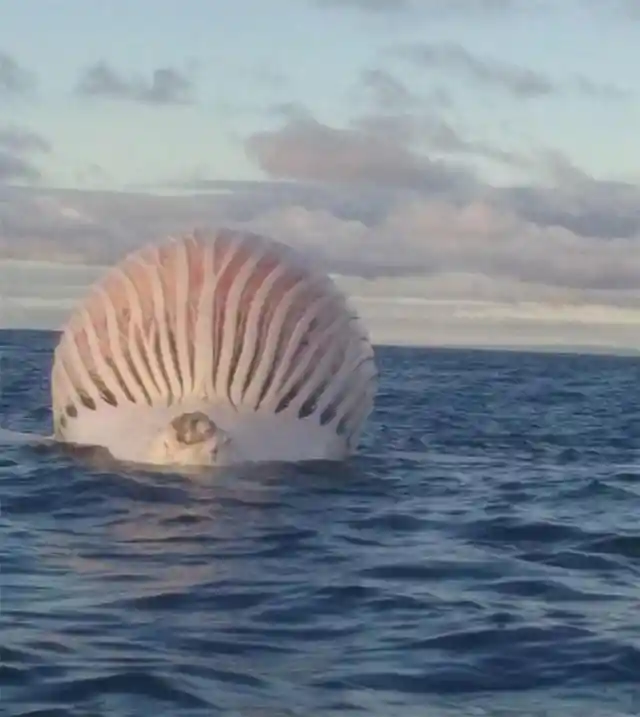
[489,147]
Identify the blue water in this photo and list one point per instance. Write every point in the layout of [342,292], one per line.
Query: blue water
[480,557]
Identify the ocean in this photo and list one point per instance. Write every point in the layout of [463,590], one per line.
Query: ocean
[480,556]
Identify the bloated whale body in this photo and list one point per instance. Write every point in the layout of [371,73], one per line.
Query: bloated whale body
[214,348]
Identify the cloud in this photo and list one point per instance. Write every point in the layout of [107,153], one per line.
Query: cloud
[14,167]
[602,90]
[539,243]
[432,131]
[399,139]
[453,57]
[14,79]
[435,8]
[93,176]
[620,9]
[308,150]
[167,86]
[518,81]
[369,5]
[18,145]
[590,209]
[422,121]
[384,90]
[22,140]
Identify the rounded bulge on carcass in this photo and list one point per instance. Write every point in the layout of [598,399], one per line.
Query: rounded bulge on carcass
[190,439]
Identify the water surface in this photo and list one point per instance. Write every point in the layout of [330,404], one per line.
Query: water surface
[480,557]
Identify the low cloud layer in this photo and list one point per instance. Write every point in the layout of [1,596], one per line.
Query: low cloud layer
[492,245]
[19,148]
[431,271]
[166,86]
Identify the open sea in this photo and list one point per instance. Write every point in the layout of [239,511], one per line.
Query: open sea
[481,556]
